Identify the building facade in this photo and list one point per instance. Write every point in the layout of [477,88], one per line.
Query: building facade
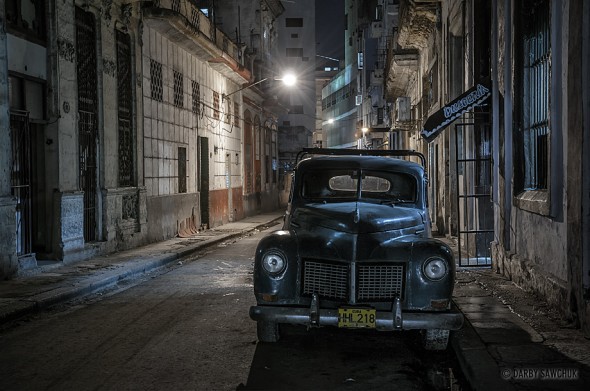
[504,84]
[128,123]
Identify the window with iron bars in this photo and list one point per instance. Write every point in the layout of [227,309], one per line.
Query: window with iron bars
[156,83]
[216,112]
[178,89]
[534,75]
[236,114]
[196,93]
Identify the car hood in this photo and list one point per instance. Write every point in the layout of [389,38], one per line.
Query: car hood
[356,217]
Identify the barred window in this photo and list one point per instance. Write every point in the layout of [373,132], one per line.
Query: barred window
[534,54]
[156,80]
[178,89]
[196,96]
[216,112]
[176,5]
[227,115]
[236,114]
[125,109]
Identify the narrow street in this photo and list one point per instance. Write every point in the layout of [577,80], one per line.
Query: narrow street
[187,328]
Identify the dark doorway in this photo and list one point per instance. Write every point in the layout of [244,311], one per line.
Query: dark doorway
[204,180]
[88,119]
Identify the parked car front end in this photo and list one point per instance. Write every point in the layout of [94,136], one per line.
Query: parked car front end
[355,251]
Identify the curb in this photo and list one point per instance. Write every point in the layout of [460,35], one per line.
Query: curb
[104,280]
[478,366]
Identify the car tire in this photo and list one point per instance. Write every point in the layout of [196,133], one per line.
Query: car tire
[267,331]
[435,339]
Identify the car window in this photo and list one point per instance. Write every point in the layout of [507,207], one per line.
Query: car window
[344,185]
[388,186]
[330,184]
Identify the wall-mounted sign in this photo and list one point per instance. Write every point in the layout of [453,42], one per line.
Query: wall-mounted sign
[474,96]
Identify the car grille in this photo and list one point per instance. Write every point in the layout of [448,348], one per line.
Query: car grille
[375,282]
[379,282]
[325,279]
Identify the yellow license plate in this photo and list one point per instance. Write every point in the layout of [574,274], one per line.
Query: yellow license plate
[356,318]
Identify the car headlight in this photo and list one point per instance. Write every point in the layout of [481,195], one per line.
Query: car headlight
[435,268]
[274,262]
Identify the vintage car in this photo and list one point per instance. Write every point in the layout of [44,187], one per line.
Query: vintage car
[356,251]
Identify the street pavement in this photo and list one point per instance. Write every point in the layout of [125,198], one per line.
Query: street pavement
[509,341]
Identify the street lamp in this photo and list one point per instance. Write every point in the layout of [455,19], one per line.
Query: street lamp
[288,80]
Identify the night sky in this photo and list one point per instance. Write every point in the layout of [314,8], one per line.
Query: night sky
[330,28]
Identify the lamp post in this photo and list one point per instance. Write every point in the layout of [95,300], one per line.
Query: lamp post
[288,80]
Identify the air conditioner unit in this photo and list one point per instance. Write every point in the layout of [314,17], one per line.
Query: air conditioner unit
[359,100]
[402,109]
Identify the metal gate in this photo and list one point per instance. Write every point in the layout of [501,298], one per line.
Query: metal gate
[475,212]
[20,179]
[87,125]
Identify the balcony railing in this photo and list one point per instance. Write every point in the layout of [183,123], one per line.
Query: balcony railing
[195,29]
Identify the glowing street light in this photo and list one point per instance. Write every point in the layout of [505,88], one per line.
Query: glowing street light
[288,80]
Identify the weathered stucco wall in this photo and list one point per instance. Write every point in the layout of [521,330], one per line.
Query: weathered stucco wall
[539,234]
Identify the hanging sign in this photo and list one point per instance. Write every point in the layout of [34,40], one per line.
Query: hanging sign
[474,96]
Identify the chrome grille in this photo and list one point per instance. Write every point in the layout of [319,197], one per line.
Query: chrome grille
[375,282]
[379,282]
[326,279]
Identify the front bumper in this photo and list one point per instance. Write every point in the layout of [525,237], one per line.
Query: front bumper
[394,320]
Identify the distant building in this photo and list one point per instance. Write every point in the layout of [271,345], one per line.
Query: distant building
[296,53]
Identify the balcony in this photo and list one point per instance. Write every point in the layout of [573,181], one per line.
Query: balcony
[417,20]
[184,24]
[401,67]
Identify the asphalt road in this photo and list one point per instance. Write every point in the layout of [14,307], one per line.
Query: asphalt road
[187,328]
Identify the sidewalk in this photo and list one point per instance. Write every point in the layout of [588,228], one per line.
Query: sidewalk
[50,285]
[510,340]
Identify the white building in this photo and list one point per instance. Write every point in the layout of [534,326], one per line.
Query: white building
[126,123]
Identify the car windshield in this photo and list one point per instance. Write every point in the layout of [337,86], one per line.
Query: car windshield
[343,185]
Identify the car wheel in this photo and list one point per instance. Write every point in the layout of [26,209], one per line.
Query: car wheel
[267,331]
[435,339]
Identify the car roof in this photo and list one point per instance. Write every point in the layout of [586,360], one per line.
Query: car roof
[363,162]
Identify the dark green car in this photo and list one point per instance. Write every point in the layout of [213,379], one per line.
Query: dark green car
[356,250]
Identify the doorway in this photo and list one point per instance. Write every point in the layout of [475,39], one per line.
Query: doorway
[475,213]
[203,172]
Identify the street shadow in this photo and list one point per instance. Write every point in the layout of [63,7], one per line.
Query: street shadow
[331,358]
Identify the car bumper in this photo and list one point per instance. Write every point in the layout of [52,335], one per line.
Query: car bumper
[394,320]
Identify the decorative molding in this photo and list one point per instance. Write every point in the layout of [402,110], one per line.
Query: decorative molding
[66,49]
[105,10]
[126,12]
[129,207]
[109,67]
[140,33]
